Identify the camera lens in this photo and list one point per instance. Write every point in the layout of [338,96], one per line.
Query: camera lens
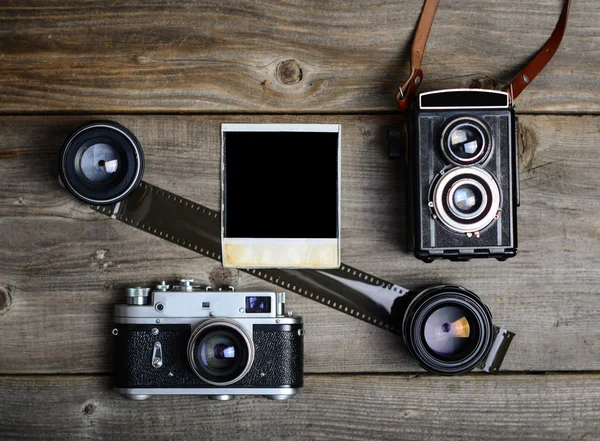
[466,141]
[465,199]
[101,163]
[220,352]
[448,330]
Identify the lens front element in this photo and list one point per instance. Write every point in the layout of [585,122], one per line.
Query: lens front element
[466,141]
[450,332]
[100,163]
[220,352]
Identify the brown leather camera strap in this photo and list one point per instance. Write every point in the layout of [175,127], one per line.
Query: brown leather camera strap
[535,66]
[408,90]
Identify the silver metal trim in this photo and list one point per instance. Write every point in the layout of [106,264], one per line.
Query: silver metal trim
[196,321]
[137,171]
[465,107]
[236,328]
[442,214]
[290,391]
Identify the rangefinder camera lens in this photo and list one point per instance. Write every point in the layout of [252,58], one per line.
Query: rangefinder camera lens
[101,163]
[448,330]
[220,352]
[466,141]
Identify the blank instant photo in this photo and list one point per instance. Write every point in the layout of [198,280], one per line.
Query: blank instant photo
[281,195]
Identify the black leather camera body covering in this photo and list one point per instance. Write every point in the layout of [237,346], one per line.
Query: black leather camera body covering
[278,359]
[429,237]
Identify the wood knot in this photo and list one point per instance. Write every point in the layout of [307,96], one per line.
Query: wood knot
[89,409]
[483,82]
[5,299]
[289,72]
[527,146]
[221,277]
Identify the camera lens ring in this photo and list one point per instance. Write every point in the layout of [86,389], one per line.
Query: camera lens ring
[241,337]
[421,309]
[113,139]
[442,205]
[481,153]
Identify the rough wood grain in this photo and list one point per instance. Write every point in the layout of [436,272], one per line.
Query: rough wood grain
[522,407]
[293,56]
[62,266]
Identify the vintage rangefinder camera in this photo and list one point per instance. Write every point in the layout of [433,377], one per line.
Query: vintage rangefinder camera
[189,340]
[462,171]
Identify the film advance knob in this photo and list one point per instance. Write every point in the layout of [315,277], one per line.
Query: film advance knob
[137,296]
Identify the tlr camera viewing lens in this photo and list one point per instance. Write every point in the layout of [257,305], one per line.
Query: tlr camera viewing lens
[466,141]
[101,163]
[448,330]
[220,352]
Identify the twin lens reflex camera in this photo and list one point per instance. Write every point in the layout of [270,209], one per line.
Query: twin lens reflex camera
[462,174]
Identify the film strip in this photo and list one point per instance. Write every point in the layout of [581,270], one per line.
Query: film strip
[198,228]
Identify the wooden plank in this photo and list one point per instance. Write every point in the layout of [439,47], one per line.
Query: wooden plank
[515,407]
[62,266]
[265,56]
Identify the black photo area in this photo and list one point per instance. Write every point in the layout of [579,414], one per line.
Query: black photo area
[281,185]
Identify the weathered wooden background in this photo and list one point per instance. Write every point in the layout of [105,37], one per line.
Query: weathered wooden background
[172,72]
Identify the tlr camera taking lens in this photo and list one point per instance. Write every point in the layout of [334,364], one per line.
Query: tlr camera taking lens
[185,340]
[463,175]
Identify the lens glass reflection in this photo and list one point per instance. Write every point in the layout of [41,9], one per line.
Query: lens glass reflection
[218,352]
[100,163]
[467,199]
[450,332]
[465,141]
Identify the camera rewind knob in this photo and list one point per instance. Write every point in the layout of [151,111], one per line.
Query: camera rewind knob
[137,296]
[186,284]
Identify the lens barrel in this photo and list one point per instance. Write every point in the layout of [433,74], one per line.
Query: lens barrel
[220,352]
[448,330]
[101,163]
